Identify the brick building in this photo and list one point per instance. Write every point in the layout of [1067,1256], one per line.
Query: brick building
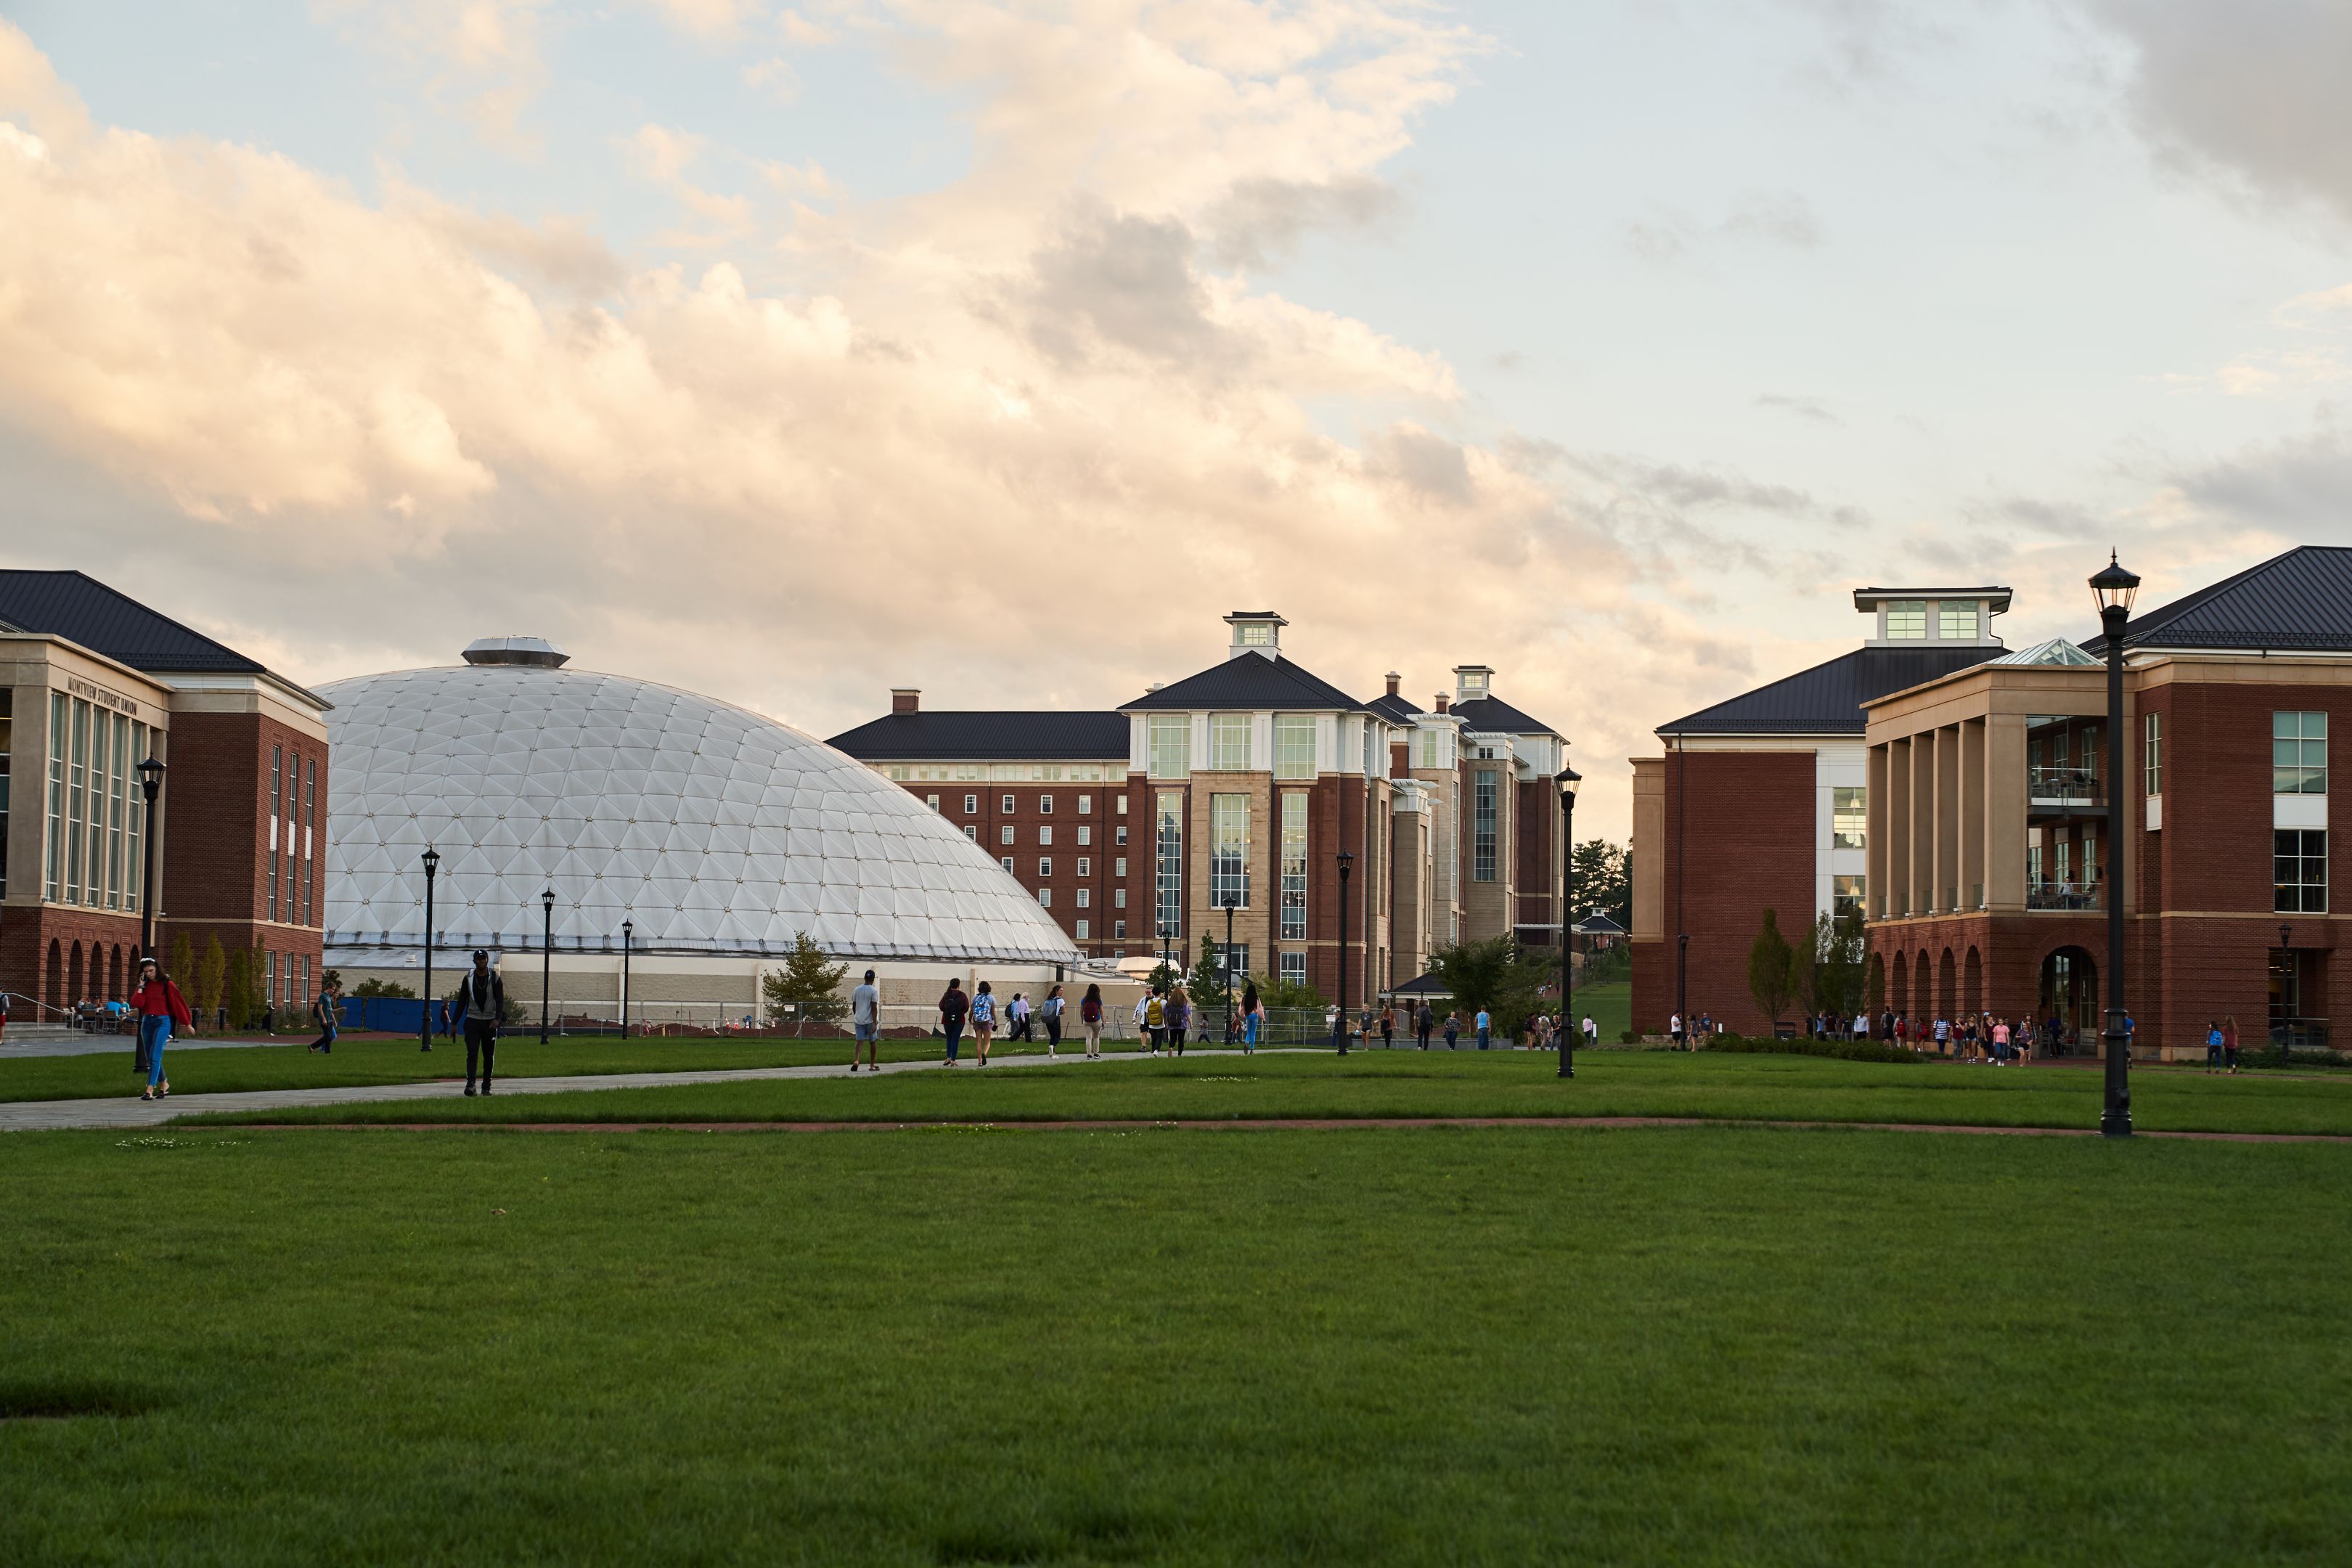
[96,683]
[1245,782]
[1957,793]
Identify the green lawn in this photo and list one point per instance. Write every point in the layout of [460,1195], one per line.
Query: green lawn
[1439,1083]
[1611,1007]
[1684,1347]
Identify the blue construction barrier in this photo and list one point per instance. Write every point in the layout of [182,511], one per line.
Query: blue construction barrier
[393,1014]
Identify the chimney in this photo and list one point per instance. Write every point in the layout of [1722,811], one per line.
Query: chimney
[1393,678]
[1443,702]
[906,700]
[1155,686]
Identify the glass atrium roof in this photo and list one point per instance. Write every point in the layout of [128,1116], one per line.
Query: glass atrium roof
[717,831]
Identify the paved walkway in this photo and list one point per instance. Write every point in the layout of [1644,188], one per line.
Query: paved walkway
[81,1044]
[130,1110]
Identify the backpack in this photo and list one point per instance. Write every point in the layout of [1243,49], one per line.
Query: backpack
[1090,1010]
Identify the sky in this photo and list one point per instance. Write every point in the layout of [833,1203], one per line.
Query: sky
[792,352]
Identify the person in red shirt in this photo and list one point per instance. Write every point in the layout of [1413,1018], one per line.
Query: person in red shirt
[162,1012]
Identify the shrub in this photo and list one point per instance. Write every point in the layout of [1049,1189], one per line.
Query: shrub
[1628,1037]
[1842,1050]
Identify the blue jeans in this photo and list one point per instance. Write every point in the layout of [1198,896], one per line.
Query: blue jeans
[1485,1041]
[955,1036]
[1249,1030]
[154,1028]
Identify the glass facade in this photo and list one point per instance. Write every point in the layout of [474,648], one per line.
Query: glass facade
[1485,787]
[54,858]
[2153,761]
[95,819]
[2299,871]
[2299,753]
[1170,742]
[1229,869]
[1294,867]
[1293,746]
[1846,897]
[1169,874]
[1229,743]
[1849,819]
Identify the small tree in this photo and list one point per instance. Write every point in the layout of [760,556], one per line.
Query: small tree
[1165,976]
[808,982]
[240,988]
[1770,960]
[375,987]
[1206,984]
[1499,975]
[212,978]
[1832,975]
[1600,877]
[184,961]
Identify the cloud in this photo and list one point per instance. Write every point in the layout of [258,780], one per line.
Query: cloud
[481,56]
[2251,94]
[1784,218]
[1807,408]
[1259,221]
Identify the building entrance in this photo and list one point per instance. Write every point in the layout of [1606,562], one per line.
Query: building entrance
[2295,991]
[2070,993]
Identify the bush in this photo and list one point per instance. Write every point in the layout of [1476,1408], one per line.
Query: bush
[1628,1037]
[1844,1051]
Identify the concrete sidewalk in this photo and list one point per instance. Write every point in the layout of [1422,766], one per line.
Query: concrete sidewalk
[130,1110]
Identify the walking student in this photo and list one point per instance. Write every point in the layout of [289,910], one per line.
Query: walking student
[1486,1030]
[1091,1019]
[1051,1011]
[984,1021]
[1453,1027]
[865,1024]
[1179,1013]
[2212,1044]
[162,1012]
[1154,1014]
[481,1001]
[1387,1025]
[953,1008]
[1423,1021]
[322,1013]
[1252,1019]
[2230,1041]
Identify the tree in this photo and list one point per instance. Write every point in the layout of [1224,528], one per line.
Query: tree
[1832,976]
[1206,984]
[374,987]
[240,987]
[1769,963]
[1164,977]
[1600,876]
[1499,975]
[184,961]
[807,984]
[212,978]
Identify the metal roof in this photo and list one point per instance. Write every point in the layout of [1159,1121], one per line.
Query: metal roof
[2057,650]
[1495,716]
[1829,699]
[1396,710]
[82,609]
[2298,601]
[1046,736]
[1867,598]
[1250,681]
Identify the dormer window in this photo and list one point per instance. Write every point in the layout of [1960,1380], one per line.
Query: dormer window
[1956,620]
[1474,680]
[1907,619]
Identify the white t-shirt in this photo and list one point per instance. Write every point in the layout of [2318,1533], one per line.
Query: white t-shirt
[865,1005]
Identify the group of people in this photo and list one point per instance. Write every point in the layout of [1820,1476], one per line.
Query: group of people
[981,1009]
[1167,1016]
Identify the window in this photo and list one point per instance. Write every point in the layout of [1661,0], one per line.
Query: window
[1294,746]
[1254,633]
[1086,866]
[1118,898]
[971,831]
[2090,855]
[2298,753]
[1229,876]
[1846,897]
[1118,835]
[1119,804]
[1086,805]
[1008,808]
[2065,863]
[1428,750]
[1957,622]
[1169,871]
[972,805]
[53,869]
[1294,867]
[1473,679]
[932,801]
[77,799]
[118,778]
[309,866]
[1906,617]
[1082,924]
[1086,832]
[1045,835]
[1118,868]
[2153,760]
[1849,819]
[1006,862]
[1044,805]
[1294,968]
[1118,930]
[1235,963]
[2299,867]
[1004,833]
[1045,865]
[1086,900]
[1482,827]
[1229,743]
[1044,898]
[1171,745]
[898,772]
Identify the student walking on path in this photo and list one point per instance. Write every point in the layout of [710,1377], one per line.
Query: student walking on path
[162,1012]
[1091,1019]
[865,1024]
[1051,1011]
[1180,1014]
[954,1007]
[1486,1030]
[984,1021]
[1151,1013]
[323,1014]
[1387,1025]
[1423,1021]
[1252,1019]
[2230,1042]
[1453,1027]
[481,1005]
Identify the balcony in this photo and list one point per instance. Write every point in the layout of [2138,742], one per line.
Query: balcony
[2068,896]
[2056,788]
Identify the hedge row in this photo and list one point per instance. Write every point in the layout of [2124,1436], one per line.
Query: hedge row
[1844,1051]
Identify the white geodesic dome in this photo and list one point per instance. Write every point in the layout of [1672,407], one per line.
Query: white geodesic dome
[716,831]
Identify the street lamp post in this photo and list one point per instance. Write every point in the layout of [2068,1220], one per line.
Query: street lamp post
[2114,589]
[1567,779]
[432,858]
[1347,864]
[2286,1024]
[546,960]
[150,784]
[627,929]
[1227,987]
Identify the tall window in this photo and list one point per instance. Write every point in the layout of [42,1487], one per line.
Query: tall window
[2299,871]
[118,820]
[1004,833]
[1045,834]
[1086,832]
[1083,926]
[1429,748]
[1907,619]
[1085,897]
[1229,743]
[1294,746]
[1294,867]
[60,739]
[1846,897]
[2155,759]
[1229,850]
[1045,865]
[1044,805]
[77,800]
[1294,968]
[1086,805]
[2090,855]
[134,835]
[1044,898]
[1169,874]
[2298,753]
[1849,819]
[1481,826]
[1170,740]
[8,744]
[1009,807]
[1957,623]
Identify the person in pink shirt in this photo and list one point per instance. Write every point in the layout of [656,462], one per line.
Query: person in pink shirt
[1999,1041]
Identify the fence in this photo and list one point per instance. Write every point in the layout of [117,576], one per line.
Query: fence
[405,1016]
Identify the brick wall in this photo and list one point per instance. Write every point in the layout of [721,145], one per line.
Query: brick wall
[216,844]
[1037,805]
[1745,844]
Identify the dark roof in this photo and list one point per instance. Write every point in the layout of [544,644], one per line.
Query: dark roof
[1427,985]
[1396,710]
[1497,717]
[82,609]
[988,737]
[1249,680]
[1829,699]
[1598,923]
[2298,601]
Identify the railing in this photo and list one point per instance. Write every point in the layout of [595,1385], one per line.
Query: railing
[2289,1036]
[2047,895]
[18,1005]
[2053,786]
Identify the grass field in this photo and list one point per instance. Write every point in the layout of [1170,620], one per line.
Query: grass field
[1409,1083]
[1712,1346]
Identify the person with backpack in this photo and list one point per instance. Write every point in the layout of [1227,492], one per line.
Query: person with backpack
[984,1021]
[1155,1019]
[1179,1009]
[1091,1019]
[1051,1011]
[162,1012]
[481,1001]
[1424,1020]
[323,1014]
[954,1007]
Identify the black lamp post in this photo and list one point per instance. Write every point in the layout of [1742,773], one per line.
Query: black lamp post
[432,858]
[1339,1015]
[150,784]
[1567,779]
[546,960]
[1227,972]
[2114,589]
[627,927]
[2286,1024]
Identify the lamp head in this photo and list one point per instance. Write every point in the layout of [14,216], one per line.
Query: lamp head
[548,899]
[1567,779]
[151,774]
[432,858]
[2113,588]
[627,927]
[1347,863]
